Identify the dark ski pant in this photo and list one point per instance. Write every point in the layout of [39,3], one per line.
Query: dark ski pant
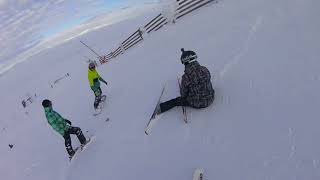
[67,138]
[179,101]
[97,99]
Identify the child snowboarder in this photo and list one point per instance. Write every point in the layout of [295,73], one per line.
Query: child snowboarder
[196,88]
[94,79]
[62,126]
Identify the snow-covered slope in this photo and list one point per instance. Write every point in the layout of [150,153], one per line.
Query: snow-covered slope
[264,124]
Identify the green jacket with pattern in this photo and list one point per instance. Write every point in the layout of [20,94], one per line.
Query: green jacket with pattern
[56,121]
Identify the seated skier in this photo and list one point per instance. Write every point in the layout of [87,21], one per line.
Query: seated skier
[94,79]
[196,88]
[62,126]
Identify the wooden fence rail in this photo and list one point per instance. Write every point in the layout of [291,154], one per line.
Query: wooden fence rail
[187,6]
[149,24]
[156,23]
[132,40]
[183,7]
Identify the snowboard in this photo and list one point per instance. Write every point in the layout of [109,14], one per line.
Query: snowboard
[198,174]
[100,106]
[184,110]
[154,115]
[80,148]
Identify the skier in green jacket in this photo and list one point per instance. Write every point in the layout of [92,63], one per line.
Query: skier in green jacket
[94,79]
[62,126]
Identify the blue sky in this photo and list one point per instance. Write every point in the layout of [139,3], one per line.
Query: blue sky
[101,7]
[26,23]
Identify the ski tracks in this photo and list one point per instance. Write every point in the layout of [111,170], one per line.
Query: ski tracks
[244,49]
[292,142]
[293,149]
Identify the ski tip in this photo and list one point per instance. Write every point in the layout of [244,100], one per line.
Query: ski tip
[148,130]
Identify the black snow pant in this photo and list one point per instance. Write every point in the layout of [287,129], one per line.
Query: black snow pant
[179,101]
[67,138]
[97,99]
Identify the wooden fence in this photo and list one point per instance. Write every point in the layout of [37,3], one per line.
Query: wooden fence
[187,6]
[156,23]
[183,7]
[132,40]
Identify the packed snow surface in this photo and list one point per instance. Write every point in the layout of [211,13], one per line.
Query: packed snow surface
[264,123]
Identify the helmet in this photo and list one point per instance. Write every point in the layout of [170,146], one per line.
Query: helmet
[188,56]
[46,103]
[92,65]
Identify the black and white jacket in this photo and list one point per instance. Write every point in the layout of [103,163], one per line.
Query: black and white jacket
[196,85]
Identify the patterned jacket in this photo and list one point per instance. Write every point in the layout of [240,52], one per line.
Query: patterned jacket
[57,122]
[196,85]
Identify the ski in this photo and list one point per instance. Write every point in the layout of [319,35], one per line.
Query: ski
[154,115]
[198,174]
[184,110]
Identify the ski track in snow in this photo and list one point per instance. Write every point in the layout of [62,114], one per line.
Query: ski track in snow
[28,170]
[315,164]
[292,142]
[245,48]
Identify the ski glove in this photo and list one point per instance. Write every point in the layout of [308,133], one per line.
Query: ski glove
[67,121]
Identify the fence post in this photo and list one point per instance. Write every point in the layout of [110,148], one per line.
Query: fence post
[122,48]
[140,33]
[174,9]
